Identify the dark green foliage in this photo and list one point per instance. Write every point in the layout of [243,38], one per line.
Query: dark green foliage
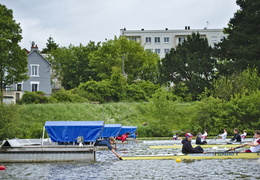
[241,49]
[50,45]
[33,98]
[72,64]
[13,60]
[191,63]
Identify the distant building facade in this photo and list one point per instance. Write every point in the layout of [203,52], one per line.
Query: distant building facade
[162,41]
[39,73]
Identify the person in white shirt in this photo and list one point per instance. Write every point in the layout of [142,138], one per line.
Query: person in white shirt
[224,135]
[204,135]
[255,145]
[243,135]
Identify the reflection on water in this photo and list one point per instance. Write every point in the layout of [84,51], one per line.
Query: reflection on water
[108,167]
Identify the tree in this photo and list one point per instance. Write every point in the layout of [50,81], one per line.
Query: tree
[13,60]
[129,56]
[71,65]
[241,48]
[191,63]
[50,45]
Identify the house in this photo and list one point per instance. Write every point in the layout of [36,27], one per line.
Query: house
[39,73]
[162,41]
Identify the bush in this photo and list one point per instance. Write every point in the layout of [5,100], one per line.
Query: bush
[66,96]
[33,98]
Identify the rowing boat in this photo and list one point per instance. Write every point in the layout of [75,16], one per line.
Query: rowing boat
[210,155]
[203,146]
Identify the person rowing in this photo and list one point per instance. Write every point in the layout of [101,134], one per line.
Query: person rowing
[198,139]
[223,135]
[236,137]
[243,136]
[109,143]
[255,145]
[187,147]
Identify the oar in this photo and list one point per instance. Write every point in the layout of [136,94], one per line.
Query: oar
[213,139]
[235,148]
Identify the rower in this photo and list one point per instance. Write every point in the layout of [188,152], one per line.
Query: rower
[243,135]
[187,148]
[236,138]
[224,135]
[255,145]
[204,135]
[198,139]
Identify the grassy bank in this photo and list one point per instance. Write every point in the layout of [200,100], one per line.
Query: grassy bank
[32,117]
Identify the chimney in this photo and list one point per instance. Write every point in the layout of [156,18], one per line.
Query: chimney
[34,47]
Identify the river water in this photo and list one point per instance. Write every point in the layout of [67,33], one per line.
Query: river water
[108,167]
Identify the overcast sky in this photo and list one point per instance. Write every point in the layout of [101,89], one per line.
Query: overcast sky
[81,21]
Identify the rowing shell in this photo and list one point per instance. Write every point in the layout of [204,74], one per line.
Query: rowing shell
[203,146]
[210,155]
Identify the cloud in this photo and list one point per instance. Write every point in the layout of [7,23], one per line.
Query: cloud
[74,22]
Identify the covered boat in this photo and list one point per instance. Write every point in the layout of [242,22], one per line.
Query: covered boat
[21,150]
[110,130]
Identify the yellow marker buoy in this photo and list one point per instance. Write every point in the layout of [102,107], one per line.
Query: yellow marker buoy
[178,160]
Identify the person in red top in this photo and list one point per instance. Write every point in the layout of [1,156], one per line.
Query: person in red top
[123,137]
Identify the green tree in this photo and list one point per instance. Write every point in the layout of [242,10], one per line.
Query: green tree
[191,63]
[134,62]
[241,48]
[228,86]
[13,60]
[71,65]
[50,45]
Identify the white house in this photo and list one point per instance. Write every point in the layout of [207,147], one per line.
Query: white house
[161,41]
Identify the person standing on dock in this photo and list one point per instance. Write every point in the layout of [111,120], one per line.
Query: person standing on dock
[255,145]
[187,147]
[109,143]
[237,137]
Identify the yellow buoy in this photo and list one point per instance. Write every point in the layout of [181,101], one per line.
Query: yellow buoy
[178,160]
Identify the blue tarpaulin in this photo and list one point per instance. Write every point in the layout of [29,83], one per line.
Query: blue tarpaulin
[69,131]
[111,130]
[125,129]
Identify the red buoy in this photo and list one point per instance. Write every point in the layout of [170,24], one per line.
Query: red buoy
[2,167]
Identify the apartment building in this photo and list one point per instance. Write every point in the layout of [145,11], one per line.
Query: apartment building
[161,41]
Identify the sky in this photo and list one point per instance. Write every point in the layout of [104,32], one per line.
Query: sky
[80,21]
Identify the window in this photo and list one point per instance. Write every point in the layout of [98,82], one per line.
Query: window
[35,86]
[148,40]
[157,39]
[214,38]
[166,39]
[34,70]
[166,51]
[157,51]
[181,39]
[19,87]
[134,39]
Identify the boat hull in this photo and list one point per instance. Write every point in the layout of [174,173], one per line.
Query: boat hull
[217,155]
[47,154]
[203,146]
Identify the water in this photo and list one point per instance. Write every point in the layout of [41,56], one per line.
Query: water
[108,167]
